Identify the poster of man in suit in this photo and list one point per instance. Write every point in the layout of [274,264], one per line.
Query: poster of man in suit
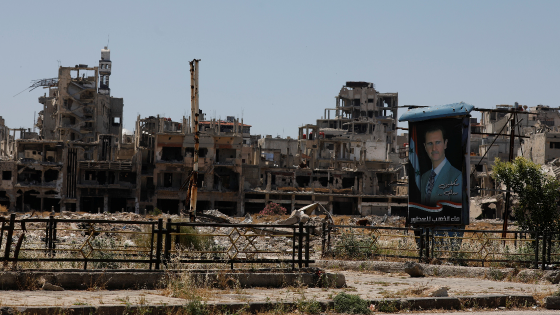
[436,169]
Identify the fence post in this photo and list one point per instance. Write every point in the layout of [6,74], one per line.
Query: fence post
[421,242]
[300,247]
[9,238]
[307,246]
[549,249]
[2,228]
[50,238]
[324,239]
[48,235]
[53,237]
[152,245]
[536,264]
[168,229]
[158,243]
[428,245]
[544,242]
[329,229]
[294,248]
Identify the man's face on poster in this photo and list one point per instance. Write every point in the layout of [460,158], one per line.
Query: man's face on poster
[435,146]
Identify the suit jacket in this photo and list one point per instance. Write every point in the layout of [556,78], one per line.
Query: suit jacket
[446,187]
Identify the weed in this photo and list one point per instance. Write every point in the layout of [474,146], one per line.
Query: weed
[189,238]
[387,306]
[351,304]
[309,307]
[351,246]
[155,212]
[104,247]
[495,274]
[196,307]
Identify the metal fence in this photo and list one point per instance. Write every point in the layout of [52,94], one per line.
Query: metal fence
[459,246]
[53,243]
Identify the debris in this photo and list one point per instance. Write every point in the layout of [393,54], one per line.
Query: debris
[553,277]
[51,287]
[363,222]
[414,269]
[248,219]
[438,292]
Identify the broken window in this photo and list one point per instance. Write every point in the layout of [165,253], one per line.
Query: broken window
[112,178]
[202,152]
[6,175]
[101,178]
[171,154]
[51,175]
[189,152]
[91,175]
[116,121]
[555,145]
[127,177]
[167,180]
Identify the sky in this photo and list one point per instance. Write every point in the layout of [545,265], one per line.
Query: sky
[279,64]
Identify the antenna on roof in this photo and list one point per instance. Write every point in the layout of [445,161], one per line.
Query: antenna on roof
[107,41]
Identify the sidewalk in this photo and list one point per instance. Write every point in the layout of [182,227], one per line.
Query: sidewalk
[369,285]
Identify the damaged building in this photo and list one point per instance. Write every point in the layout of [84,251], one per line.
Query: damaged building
[72,162]
[79,160]
[348,161]
[536,137]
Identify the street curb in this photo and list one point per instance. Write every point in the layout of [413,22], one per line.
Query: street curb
[449,303]
[427,303]
[122,280]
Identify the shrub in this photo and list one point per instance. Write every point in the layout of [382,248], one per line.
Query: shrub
[189,238]
[196,307]
[309,306]
[155,212]
[387,306]
[350,304]
[351,247]
[273,209]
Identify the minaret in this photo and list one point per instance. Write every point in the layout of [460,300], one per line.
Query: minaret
[104,71]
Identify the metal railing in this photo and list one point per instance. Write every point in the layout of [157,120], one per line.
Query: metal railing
[54,243]
[460,246]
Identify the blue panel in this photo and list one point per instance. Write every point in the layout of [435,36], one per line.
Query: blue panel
[439,111]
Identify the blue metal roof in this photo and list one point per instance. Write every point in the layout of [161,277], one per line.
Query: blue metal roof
[439,111]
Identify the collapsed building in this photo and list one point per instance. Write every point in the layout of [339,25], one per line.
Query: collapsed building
[79,160]
[348,161]
[79,134]
[536,136]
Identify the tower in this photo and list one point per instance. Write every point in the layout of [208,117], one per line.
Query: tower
[104,71]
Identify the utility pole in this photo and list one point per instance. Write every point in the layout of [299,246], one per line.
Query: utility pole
[512,121]
[192,192]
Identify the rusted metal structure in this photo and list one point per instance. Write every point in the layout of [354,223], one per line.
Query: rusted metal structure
[194,116]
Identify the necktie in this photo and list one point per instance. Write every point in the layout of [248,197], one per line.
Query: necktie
[430,185]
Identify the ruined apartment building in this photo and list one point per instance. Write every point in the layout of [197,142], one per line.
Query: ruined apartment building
[78,143]
[80,161]
[348,161]
[539,127]
[164,160]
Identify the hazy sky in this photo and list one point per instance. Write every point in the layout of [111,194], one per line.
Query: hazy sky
[278,64]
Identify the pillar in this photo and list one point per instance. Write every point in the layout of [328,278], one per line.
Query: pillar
[106,203]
